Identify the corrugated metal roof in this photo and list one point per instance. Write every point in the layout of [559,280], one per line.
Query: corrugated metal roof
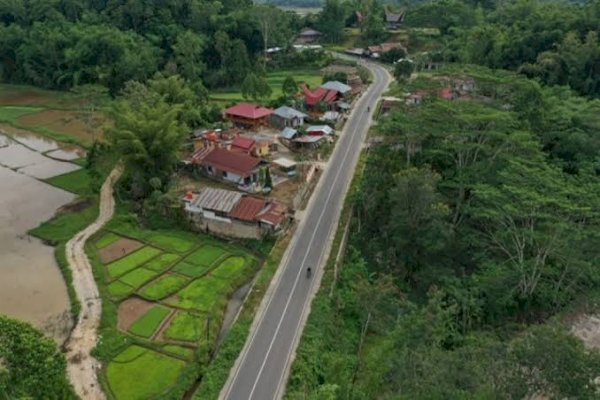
[288,113]
[337,86]
[289,133]
[217,199]
[248,208]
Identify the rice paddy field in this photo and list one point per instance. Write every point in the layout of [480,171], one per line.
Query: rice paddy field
[275,79]
[58,115]
[164,300]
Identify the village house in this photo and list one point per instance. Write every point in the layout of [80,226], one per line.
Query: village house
[286,116]
[235,214]
[289,133]
[230,166]
[286,166]
[307,36]
[321,95]
[244,145]
[338,86]
[248,115]
[353,79]
[319,130]
[394,20]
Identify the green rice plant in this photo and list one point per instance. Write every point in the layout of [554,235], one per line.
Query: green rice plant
[164,287]
[236,270]
[106,240]
[138,277]
[138,373]
[205,294]
[77,182]
[119,289]
[186,327]
[131,261]
[147,324]
[12,113]
[191,270]
[178,350]
[162,262]
[172,242]
[206,255]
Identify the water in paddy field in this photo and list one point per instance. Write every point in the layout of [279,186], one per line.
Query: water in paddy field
[31,285]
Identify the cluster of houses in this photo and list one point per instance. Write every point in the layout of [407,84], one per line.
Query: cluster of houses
[252,148]
[235,214]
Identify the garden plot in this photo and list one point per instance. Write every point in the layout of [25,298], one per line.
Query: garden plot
[131,310]
[149,322]
[118,248]
[132,261]
[138,373]
[165,289]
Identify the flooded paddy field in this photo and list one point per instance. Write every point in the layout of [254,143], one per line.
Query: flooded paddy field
[31,285]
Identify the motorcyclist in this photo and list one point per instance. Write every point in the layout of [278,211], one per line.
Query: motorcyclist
[308,272]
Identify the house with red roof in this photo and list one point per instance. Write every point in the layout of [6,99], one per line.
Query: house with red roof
[248,115]
[235,214]
[243,144]
[230,166]
[319,95]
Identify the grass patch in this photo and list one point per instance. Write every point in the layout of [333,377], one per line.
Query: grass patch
[146,325]
[138,277]
[12,113]
[65,225]
[131,261]
[206,255]
[275,80]
[185,326]
[164,287]
[204,294]
[191,270]
[77,182]
[231,268]
[139,374]
[178,350]
[106,240]
[172,242]
[162,262]
[119,289]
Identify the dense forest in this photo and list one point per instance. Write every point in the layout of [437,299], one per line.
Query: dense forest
[475,221]
[59,44]
[475,229]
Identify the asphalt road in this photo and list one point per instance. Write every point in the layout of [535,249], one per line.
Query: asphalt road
[262,367]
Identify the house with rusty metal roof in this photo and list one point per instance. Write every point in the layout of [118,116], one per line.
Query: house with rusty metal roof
[235,214]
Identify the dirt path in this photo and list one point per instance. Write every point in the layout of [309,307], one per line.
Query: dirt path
[81,366]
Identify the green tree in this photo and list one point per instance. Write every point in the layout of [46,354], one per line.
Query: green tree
[255,87]
[268,180]
[32,366]
[289,87]
[188,49]
[403,69]
[148,137]
[331,21]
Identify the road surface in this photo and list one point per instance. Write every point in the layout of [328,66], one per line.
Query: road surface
[82,368]
[262,368]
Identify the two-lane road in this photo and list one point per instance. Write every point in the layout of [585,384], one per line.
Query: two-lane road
[262,367]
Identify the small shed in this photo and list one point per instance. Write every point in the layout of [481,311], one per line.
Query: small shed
[289,133]
[286,165]
[319,130]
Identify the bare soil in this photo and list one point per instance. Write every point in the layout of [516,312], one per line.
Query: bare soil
[130,310]
[587,328]
[25,98]
[118,249]
[68,122]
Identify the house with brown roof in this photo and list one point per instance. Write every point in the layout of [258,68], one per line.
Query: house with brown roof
[230,166]
[248,115]
[308,35]
[235,214]
[393,20]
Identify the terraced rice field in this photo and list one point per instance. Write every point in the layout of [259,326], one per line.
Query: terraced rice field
[170,285]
